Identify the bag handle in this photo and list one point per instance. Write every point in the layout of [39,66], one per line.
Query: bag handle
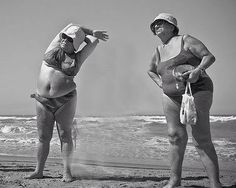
[188,87]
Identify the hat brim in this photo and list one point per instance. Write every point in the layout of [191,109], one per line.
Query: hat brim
[71,35]
[155,21]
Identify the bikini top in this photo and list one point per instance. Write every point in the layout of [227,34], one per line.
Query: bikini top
[59,60]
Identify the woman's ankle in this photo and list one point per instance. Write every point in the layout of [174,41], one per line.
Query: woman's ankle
[173,182]
[216,184]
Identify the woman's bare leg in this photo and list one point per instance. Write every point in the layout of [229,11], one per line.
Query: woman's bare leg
[202,137]
[178,140]
[45,123]
[64,118]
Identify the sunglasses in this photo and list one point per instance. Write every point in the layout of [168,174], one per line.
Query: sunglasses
[159,23]
[64,36]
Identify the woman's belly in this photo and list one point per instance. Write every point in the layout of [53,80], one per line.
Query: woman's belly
[53,83]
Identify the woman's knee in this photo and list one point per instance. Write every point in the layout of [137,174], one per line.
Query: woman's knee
[45,137]
[177,137]
[45,126]
[65,136]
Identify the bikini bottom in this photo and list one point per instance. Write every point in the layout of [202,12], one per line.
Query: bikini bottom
[53,104]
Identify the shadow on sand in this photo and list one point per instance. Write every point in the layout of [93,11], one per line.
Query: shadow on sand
[16,168]
[143,179]
[196,186]
[122,178]
[134,178]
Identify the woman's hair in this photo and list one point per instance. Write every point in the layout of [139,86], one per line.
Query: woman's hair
[55,56]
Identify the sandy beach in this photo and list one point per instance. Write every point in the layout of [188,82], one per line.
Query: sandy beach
[92,174]
[126,152]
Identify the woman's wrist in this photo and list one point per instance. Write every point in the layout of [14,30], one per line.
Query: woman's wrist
[200,69]
[88,31]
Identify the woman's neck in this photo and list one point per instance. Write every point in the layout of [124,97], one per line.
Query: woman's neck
[166,38]
[69,53]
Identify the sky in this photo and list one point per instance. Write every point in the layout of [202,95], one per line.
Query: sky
[114,79]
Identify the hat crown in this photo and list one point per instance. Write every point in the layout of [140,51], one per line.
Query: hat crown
[77,34]
[167,17]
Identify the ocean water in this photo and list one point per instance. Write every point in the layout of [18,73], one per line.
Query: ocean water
[130,137]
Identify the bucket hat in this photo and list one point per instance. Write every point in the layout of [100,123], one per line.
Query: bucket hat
[77,34]
[167,17]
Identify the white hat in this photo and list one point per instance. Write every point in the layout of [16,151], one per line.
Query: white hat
[77,34]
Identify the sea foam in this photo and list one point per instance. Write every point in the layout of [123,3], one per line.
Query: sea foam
[12,129]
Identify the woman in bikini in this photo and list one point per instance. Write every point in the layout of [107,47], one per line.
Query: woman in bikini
[56,91]
[191,58]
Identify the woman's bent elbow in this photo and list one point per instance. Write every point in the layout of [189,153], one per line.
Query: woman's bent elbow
[150,73]
[213,59]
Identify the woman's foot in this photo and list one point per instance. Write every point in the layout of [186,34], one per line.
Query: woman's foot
[216,185]
[67,177]
[35,175]
[172,184]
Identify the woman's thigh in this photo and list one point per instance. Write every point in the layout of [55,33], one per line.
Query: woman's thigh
[203,102]
[171,109]
[64,115]
[45,122]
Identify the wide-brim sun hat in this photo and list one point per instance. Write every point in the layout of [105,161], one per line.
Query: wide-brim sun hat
[77,34]
[167,17]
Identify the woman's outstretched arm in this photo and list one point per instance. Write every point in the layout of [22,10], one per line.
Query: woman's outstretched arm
[99,34]
[82,55]
[91,43]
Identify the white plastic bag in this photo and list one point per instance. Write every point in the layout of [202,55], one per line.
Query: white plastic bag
[188,113]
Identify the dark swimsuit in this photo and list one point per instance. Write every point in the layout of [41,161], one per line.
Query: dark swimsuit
[69,66]
[169,82]
[53,104]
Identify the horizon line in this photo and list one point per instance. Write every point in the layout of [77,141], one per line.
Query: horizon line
[117,115]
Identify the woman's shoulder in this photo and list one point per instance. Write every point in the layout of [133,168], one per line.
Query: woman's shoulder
[188,37]
[189,41]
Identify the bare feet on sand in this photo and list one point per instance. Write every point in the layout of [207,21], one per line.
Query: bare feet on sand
[172,184]
[35,175]
[216,185]
[67,177]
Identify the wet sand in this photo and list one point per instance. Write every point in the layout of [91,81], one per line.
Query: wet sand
[109,174]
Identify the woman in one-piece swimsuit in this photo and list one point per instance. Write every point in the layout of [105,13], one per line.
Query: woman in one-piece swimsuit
[190,56]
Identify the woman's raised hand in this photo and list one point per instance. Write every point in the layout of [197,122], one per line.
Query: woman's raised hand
[102,35]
